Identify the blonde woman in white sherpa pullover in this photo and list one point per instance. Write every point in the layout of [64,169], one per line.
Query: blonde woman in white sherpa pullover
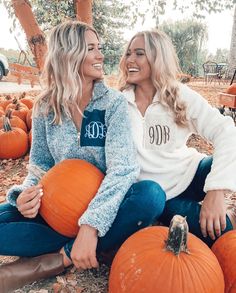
[164,113]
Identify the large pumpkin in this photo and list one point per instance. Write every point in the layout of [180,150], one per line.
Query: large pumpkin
[153,261]
[231,89]
[68,188]
[225,250]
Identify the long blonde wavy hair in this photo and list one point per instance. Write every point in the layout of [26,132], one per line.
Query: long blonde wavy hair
[67,50]
[164,65]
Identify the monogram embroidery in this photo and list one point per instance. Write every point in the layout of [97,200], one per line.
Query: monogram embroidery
[159,134]
[94,129]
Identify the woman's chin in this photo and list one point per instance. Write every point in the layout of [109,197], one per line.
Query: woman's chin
[132,80]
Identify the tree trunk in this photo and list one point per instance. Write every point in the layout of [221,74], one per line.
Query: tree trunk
[232,53]
[83,10]
[34,35]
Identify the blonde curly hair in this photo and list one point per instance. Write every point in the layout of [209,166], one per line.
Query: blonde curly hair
[165,69]
[67,51]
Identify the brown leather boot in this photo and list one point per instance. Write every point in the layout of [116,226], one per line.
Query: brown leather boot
[24,271]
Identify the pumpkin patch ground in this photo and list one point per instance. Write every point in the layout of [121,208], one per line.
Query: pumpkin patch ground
[91,281]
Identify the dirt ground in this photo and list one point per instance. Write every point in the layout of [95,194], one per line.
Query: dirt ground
[91,281]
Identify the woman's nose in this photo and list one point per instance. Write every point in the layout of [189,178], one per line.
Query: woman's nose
[131,58]
[99,54]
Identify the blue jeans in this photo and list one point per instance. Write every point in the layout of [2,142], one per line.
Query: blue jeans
[143,203]
[187,203]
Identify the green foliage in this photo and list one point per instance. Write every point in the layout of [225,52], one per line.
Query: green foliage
[188,38]
[221,56]
[110,17]
[200,6]
[13,56]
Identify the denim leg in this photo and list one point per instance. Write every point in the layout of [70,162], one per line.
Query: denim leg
[9,213]
[195,189]
[142,205]
[187,203]
[190,209]
[26,237]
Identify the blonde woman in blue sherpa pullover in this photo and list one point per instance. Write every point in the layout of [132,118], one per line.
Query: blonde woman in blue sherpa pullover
[94,127]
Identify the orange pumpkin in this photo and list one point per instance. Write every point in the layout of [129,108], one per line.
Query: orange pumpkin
[14,121]
[29,119]
[13,141]
[5,101]
[30,137]
[225,250]
[68,188]
[26,100]
[231,89]
[154,260]
[1,112]
[18,109]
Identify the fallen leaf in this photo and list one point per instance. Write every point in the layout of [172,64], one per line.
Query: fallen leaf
[56,287]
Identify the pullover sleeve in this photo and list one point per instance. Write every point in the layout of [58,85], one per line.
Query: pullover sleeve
[122,169]
[40,159]
[221,131]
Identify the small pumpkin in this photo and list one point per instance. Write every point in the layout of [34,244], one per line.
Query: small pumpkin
[26,100]
[231,89]
[5,101]
[30,137]
[29,119]
[18,109]
[155,260]
[68,188]
[14,121]
[13,141]
[2,112]
[225,250]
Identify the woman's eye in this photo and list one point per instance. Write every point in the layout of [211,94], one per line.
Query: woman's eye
[140,53]
[92,48]
[127,54]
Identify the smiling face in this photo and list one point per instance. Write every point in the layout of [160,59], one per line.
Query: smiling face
[136,62]
[92,67]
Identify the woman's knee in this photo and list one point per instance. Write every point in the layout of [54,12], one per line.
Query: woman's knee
[151,196]
[8,213]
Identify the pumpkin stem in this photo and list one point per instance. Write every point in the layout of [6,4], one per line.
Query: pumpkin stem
[15,101]
[6,124]
[177,236]
[8,97]
[18,106]
[9,113]
[22,95]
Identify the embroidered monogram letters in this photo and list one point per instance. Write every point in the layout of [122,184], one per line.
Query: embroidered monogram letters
[159,134]
[93,131]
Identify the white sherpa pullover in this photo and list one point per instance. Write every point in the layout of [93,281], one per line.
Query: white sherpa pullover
[161,143]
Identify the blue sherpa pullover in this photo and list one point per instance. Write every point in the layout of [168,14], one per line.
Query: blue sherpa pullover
[105,141]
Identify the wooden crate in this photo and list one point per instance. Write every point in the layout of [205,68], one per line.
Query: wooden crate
[227,100]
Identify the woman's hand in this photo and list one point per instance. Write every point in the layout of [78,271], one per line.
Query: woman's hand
[83,252]
[213,214]
[29,201]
